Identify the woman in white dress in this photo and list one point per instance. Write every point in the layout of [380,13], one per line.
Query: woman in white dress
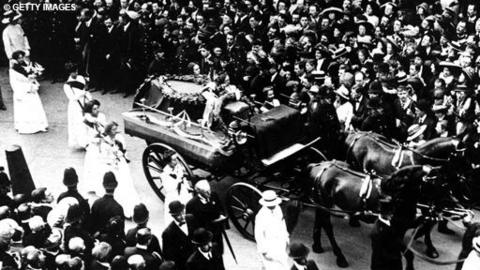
[112,147]
[175,184]
[74,89]
[94,165]
[29,115]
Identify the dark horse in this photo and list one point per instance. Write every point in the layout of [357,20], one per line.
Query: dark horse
[370,151]
[334,183]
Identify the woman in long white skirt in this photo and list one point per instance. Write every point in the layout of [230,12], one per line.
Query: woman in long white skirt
[74,89]
[29,115]
[95,162]
[112,147]
[175,184]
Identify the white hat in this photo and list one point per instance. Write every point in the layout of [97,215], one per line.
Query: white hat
[343,92]
[36,223]
[270,198]
[133,14]
[415,130]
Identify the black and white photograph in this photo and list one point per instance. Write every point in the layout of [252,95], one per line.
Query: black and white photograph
[239,135]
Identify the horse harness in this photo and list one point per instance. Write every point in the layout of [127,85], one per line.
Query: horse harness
[367,181]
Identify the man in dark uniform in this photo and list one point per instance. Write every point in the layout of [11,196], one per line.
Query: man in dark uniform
[206,208]
[207,256]
[141,217]
[177,244]
[4,190]
[152,259]
[109,38]
[70,180]
[130,52]
[106,207]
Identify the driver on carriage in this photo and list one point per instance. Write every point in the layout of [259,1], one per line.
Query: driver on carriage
[216,93]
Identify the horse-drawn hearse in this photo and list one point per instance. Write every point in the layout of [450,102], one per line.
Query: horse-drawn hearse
[275,150]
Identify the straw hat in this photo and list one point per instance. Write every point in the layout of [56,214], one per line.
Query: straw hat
[270,198]
[414,131]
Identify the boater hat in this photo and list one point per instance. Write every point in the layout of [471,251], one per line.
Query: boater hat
[270,198]
[415,130]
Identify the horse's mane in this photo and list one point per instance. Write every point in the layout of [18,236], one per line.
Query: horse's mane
[433,146]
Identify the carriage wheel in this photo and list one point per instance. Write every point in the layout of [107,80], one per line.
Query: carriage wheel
[153,164]
[242,206]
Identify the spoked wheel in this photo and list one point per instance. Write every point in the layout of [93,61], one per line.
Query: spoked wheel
[153,161]
[242,206]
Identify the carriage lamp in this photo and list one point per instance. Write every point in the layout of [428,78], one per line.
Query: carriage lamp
[144,114]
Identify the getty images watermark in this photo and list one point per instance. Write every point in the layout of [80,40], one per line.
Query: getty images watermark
[22,7]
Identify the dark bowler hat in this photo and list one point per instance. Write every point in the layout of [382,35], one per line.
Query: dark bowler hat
[201,236]
[70,177]
[74,214]
[109,181]
[140,213]
[4,181]
[298,251]
[176,207]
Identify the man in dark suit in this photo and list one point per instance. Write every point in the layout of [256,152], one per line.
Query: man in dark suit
[141,217]
[106,207]
[207,210]
[130,35]
[111,53]
[70,180]
[152,259]
[359,102]
[424,116]
[177,244]
[206,256]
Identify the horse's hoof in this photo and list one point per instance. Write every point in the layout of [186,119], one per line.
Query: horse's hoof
[354,223]
[445,230]
[317,248]
[342,262]
[432,253]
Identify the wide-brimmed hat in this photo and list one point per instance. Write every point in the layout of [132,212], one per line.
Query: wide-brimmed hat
[415,130]
[176,207]
[439,108]
[270,198]
[38,194]
[339,53]
[78,82]
[132,14]
[201,236]
[140,213]
[298,251]
[332,10]
[343,92]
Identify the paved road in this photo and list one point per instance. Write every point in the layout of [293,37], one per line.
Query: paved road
[47,155]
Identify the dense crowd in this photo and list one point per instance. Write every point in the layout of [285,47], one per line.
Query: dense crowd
[403,69]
